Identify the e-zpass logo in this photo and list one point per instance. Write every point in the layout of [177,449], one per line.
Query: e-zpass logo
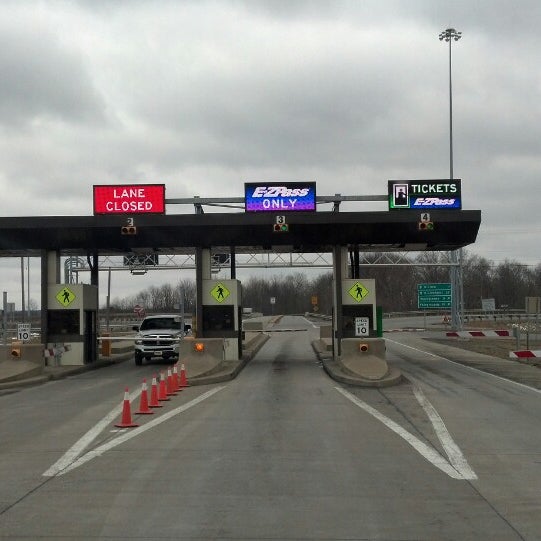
[433,202]
[279,191]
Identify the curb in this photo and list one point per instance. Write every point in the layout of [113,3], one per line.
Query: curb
[337,373]
[62,373]
[232,368]
[229,372]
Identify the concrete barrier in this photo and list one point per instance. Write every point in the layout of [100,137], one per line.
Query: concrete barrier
[325,331]
[200,363]
[30,351]
[365,357]
[252,326]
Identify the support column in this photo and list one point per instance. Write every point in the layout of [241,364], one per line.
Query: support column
[202,272]
[340,259]
[233,263]
[50,275]
[92,259]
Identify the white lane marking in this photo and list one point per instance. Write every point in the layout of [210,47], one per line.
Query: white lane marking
[456,458]
[78,447]
[422,448]
[310,323]
[137,431]
[467,366]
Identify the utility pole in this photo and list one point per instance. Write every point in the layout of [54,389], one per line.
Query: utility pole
[457,298]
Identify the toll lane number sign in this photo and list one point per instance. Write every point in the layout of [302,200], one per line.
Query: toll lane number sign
[361,326]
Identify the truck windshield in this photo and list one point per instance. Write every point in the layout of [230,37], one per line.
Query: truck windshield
[160,323]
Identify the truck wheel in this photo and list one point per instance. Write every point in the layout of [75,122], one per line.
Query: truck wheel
[138,359]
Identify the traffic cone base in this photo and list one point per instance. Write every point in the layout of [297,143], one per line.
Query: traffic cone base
[126,421]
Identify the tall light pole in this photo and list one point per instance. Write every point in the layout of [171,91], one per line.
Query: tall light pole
[457,299]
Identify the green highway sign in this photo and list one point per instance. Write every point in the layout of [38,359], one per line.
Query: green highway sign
[434,296]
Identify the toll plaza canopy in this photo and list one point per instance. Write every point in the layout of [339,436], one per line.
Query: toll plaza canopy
[246,232]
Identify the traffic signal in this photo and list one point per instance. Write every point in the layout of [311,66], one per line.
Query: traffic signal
[281,228]
[363,348]
[128,230]
[426,226]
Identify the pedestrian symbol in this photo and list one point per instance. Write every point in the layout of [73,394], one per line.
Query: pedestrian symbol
[65,296]
[219,292]
[358,291]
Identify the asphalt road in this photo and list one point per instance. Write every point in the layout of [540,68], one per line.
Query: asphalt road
[282,452]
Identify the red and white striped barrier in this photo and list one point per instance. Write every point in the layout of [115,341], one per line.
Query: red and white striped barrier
[525,354]
[476,334]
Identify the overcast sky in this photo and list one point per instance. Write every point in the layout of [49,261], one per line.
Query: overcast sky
[203,96]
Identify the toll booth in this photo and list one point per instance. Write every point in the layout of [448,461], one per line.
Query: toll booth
[222,315]
[359,308]
[72,321]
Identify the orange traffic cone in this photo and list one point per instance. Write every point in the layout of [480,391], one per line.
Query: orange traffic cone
[143,402]
[176,387]
[126,421]
[154,395]
[162,393]
[183,380]
[169,388]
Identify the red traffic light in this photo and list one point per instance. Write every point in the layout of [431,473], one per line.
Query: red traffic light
[128,230]
[281,228]
[425,226]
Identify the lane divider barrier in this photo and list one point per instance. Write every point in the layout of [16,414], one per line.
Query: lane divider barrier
[525,354]
[475,334]
[169,385]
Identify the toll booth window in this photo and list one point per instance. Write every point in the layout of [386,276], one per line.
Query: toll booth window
[63,322]
[218,318]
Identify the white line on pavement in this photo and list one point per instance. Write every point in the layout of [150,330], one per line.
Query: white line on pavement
[456,458]
[77,448]
[422,448]
[465,366]
[135,432]
[310,323]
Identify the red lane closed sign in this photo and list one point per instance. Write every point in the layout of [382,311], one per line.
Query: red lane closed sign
[129,199]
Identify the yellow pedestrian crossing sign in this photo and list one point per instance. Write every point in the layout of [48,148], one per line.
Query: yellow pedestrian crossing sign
[358,291]
[219,292]
[65,296]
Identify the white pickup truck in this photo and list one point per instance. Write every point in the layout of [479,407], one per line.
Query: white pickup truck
[159,337]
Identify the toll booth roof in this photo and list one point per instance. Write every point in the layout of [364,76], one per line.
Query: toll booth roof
[381,231]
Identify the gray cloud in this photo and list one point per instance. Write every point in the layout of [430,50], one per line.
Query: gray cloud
[204,95]
[41,79]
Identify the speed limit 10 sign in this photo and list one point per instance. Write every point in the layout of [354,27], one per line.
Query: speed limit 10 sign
[361,326]
[23,331]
